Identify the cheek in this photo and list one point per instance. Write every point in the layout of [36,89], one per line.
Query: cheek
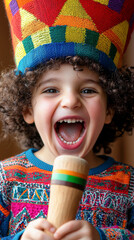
[97,111]
[44,111]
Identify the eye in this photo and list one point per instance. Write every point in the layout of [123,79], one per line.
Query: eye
[50,90]
[88,91]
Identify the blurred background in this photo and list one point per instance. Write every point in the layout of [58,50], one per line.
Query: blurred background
[123,148]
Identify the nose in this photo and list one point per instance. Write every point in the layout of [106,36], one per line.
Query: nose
[70,100]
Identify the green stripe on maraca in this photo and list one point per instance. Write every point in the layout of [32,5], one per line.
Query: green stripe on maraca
[68,178]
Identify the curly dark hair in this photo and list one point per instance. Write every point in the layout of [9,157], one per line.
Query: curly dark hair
[16,92]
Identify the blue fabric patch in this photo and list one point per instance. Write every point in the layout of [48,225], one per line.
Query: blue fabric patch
[106,62]
[44,53]
[56,50]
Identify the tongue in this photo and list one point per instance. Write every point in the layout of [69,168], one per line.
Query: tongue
[70,131]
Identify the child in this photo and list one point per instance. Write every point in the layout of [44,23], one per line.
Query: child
[67,97]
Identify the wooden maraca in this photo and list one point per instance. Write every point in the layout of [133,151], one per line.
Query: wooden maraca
[67,185]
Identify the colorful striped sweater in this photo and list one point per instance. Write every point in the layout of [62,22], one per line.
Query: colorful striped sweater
[107,202]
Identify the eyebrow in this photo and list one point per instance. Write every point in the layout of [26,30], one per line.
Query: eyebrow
[46,81]
[55,80]
[93,81]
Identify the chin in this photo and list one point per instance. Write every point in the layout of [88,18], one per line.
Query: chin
[76,152]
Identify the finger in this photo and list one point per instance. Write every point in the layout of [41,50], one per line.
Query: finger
[42,224]
[67,229]
[74,235]
[34,235]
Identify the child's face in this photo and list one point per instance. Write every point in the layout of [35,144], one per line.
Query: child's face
[69,109]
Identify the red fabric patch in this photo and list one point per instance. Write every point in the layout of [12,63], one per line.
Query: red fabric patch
[127,13]
[45,11]
[99,12]
[17,27]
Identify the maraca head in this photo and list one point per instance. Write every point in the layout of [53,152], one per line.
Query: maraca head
[68,182]
[70,171]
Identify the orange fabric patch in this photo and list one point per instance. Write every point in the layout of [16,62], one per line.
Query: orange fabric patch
[75,22]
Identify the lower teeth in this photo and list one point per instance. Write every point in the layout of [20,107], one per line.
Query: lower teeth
[69,143]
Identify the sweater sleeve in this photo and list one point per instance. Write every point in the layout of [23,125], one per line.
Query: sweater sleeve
[5,210]
[116,232]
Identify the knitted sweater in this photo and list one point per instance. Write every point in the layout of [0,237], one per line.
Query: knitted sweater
[107,202]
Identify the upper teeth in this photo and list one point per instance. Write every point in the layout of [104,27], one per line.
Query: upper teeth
[70,120]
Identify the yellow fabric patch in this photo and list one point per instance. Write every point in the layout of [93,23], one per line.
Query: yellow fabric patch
[74,8]
[114,39]
[41,37]
[116,58]
[121,30]
[103,44]
[120,62]
[7,2]
[32,28]
[104,2]
[19,53]
[76,35]
[26,18]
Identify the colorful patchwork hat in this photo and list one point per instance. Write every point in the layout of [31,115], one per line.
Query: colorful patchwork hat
[45,29]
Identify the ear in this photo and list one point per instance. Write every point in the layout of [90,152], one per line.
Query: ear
[28,115]
[109,115]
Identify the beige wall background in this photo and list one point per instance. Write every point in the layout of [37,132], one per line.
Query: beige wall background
[123,148]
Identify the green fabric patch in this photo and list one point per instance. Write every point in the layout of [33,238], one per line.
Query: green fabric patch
[91,37]
[113,51]
[58,33]
[28,44]
[87,51]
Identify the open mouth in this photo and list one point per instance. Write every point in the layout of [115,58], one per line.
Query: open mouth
[70,132]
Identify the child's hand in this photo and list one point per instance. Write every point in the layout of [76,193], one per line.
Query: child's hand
[77,230]
[35,230]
